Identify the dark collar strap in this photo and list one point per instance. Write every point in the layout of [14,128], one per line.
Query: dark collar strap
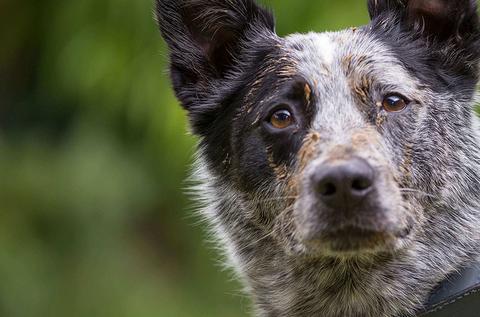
[456,296]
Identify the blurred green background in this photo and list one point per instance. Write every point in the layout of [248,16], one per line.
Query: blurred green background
[94,151]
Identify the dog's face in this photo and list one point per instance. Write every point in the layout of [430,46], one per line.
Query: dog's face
[337,144]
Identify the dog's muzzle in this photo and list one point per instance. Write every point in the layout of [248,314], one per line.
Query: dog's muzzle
[341,208]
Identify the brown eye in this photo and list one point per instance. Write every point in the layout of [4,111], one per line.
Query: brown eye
[394,103]
[281,119]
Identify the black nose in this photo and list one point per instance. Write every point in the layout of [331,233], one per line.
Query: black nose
[344,184]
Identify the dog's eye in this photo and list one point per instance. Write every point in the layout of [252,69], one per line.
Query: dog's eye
[394,103]
[281,119]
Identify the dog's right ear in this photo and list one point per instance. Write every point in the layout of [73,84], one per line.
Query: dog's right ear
[205,39]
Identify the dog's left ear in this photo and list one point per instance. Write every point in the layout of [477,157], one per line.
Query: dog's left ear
[449,29]
[442,20]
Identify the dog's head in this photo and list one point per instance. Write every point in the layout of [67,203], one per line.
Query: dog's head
[338,144]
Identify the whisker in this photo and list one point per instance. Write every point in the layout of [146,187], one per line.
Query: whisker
[416,191]
[277,198]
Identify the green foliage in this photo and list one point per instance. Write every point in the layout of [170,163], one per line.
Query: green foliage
[94,151]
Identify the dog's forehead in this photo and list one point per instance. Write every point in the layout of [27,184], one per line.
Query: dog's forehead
[331,59]
[348,70]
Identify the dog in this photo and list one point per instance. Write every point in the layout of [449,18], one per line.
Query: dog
[339,171]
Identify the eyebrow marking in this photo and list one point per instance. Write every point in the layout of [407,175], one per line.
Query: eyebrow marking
[361,88]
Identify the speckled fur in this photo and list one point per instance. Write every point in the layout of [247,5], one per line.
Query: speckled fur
[259,201]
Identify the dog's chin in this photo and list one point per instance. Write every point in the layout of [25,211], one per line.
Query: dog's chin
[356,242]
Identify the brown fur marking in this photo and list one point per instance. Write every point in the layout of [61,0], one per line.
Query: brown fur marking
[281,171]
[308,149]
[308,94]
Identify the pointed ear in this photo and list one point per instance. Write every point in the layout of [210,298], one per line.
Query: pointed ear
[445,19]
[205,39]
[449,29]
[441,20]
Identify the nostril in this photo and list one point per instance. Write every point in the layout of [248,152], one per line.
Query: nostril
[361,184]
[327,189]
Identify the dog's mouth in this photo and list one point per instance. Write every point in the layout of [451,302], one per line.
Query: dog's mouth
[357,240]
